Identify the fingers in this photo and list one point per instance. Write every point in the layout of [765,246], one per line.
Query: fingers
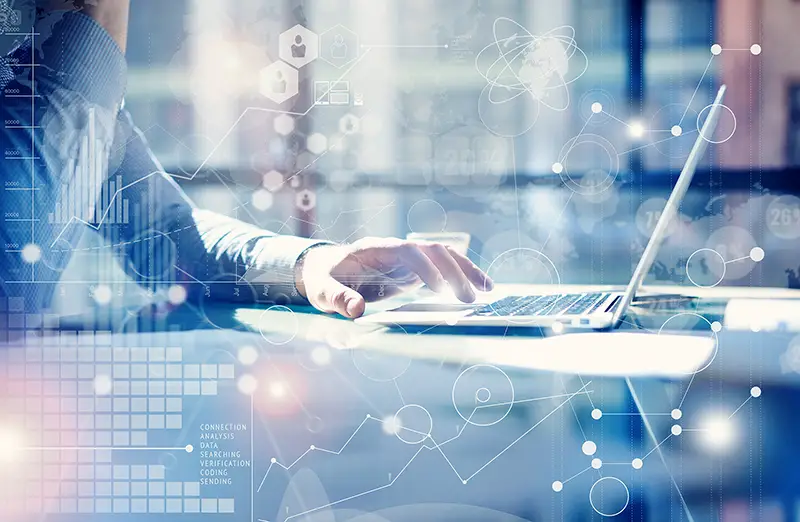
[333,296]
[476,276]
[421,264]
[451,270]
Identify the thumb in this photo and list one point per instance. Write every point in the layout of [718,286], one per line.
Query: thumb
[343,299]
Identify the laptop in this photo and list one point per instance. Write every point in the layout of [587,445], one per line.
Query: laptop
[591,310]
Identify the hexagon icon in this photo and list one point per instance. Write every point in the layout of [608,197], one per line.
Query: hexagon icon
[349,124]
[284,124]
[338,46]
[272,180]
[306,200]
[278,81]
[298,46]
[317,143]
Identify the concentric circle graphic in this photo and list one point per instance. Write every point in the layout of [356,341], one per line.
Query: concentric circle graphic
[726,126]
[413,424]
[609,496]
[426,215]
[290,325]
[705,268]
[529,70]
[783,217]
[483,395]
[589,145]
[688,321]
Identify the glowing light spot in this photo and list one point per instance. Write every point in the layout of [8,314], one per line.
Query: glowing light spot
[718,434]
[176,294]
[247,384]
[321,356]
[11,444]
[558,486]
[391,425]
[277,389]
[189,448]
[558,168]
[636,129]
[102,294]
[597,107]
[31,253]
[247,355]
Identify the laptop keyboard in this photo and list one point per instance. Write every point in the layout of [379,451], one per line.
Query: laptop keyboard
[531,305]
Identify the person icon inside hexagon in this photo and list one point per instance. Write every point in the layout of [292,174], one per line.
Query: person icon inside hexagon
[298,48]
[339,47]
[279,83]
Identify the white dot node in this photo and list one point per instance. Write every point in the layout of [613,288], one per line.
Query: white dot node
[189,448]
[558,327]
[755,327]
[597,107]
[716,49]
[589,448]
[755,391]
[597,414]
[273,460]
[676,429]
[637,463]
[558,168]
[176,294]
[757,254]
[676,414]
[247,355]
[451,321]
[755,49]
[103,385]
[446,46]
[597,463]
[102,294]
[558,486]
[716,327]
[247,384]
[676,130]
[312,447]
[31,253]
[464,482]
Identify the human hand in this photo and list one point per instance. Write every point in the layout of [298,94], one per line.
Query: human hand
[343,278]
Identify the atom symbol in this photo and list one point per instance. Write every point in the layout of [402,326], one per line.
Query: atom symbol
[527,67]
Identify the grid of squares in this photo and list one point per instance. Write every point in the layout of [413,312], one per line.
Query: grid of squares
[78,390]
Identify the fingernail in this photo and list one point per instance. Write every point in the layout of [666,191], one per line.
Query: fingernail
[351,306]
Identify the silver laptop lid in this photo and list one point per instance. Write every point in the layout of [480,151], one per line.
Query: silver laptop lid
[671,208]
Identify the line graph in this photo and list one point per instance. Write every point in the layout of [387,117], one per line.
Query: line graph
[96,226]
[434,446]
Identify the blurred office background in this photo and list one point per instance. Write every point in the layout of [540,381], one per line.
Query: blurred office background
[404,149]
[407,152]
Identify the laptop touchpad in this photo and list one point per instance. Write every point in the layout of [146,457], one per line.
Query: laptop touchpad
[435,307]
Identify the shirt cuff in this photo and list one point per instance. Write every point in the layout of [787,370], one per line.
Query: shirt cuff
[75,53]
[275,266]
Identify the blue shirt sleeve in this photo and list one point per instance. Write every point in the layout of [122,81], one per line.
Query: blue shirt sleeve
[65,140]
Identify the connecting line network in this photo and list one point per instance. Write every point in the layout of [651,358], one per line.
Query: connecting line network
[425,436]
